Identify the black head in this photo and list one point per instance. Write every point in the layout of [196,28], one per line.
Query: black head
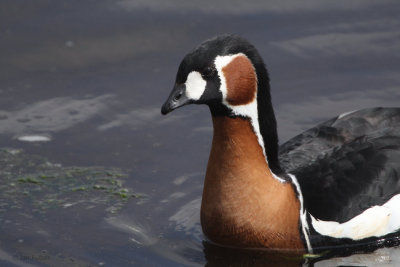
[201,78]
[227,74]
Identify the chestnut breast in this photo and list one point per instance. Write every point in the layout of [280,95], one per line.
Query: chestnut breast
[243,205]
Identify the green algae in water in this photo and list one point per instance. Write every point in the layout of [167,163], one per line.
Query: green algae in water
[33,181]
[29,180]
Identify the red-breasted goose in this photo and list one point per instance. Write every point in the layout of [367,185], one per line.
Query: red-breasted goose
[335,184]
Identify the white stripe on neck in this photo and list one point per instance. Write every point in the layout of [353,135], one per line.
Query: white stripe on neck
[249,110]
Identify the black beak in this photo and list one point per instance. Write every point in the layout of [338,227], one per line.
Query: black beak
[176,99]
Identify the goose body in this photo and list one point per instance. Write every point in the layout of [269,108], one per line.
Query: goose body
[335,184]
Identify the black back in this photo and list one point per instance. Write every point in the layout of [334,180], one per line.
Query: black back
[346,165]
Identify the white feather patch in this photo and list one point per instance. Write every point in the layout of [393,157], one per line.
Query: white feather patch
[195,85]
[374,222]
[303,215]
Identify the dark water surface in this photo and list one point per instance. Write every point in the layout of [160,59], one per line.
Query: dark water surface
[89,77]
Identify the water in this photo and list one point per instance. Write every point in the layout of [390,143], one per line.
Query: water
[89,78]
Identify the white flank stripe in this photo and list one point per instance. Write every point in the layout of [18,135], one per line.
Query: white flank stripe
[374,222]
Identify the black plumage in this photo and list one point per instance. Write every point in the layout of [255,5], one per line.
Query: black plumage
[347,165]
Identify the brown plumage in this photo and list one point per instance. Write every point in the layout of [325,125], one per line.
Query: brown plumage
[243,205]
[241,81]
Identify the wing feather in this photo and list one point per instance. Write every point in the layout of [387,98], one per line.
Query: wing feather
[347,164]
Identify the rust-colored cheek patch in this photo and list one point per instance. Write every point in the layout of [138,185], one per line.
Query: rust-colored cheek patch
[241,81]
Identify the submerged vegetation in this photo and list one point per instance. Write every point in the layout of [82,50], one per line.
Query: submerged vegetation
[33,182]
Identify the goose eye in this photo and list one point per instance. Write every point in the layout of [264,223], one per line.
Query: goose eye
[178,96]
[207,72]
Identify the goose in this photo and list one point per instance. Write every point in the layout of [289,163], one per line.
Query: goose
[337,184]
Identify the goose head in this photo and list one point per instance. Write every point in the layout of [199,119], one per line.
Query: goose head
[228,74]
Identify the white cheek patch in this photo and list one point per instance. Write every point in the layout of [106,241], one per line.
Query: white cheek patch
[195,85]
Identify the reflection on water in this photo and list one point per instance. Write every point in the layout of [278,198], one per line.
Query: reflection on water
[220,256]
[65,113]
[91,77]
